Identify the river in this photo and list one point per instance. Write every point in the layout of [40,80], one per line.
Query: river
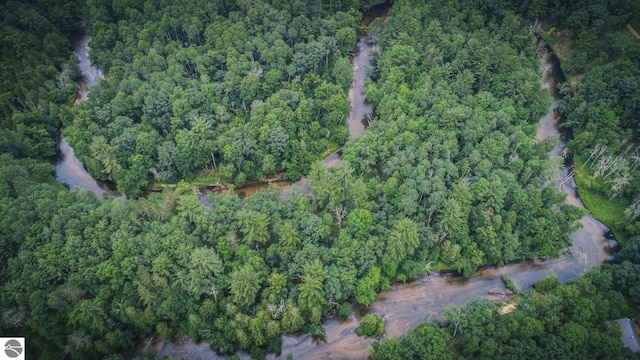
[361,109]
[404,306]
[69,170]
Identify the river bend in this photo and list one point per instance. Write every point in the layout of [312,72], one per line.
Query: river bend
[404,306]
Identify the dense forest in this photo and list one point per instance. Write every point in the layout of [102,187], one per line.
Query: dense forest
[37,75]
[451,146]
[448,174]
[251,88]
[568,321]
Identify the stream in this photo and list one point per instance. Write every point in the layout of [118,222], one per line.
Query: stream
[404,306]
[69,170]
[361,109]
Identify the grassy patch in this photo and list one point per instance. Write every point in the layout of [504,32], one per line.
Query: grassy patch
[207,177]
[608,211]
[332,147]
[440,266]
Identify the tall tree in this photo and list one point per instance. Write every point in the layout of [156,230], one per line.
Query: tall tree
[244,284]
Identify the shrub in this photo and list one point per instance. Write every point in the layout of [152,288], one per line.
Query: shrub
[370,325]
[509,283]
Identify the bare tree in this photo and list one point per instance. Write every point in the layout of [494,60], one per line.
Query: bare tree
[277,310]
[454,315]
[535,27]
[214,292]
[71,293]
[562,182]
[633,211]
[441,236]
[14,318]
[597,151]
[619,182]
[610,165]
[339,212]
[63,79]
[78,341]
